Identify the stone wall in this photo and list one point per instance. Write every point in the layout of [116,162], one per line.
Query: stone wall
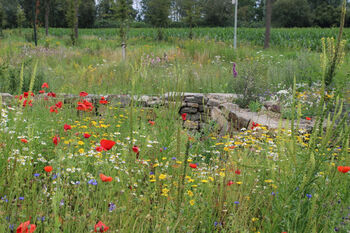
[200,109]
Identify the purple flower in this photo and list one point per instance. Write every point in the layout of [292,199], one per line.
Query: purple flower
[173,158]
[111,206]
[236,202]
[21,198]
[36,174]
[234,71]
[92,181]
[308,196]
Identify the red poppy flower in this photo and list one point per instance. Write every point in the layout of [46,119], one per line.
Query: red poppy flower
[56,140]
[101,227]
[45,85]
[238,172]
[83,94]
[151,122]
[26,227]
[344,169]
[308,118]
[99,148]
[86,135]
[254,125]
[51,94]
[24,103]
[25,94]
[136,149]
[230,183]
[105,178]
[24,140]
[53,109]
[183,115]
[59,104]
[107,144]
[41,92]
[85,106]
[193,165]
[48,169]
[103,100]
[67,127]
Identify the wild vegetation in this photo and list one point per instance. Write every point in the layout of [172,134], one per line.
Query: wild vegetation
[85,165]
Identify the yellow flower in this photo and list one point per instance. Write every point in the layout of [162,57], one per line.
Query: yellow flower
[156,165]
[81,143]
[211,178]
[165,192]
[239,182]
[254,219]
[192,202]
[222,174]
[190,193]
[66,142]
[268,181]
[162,176]
[204,181]
[81,151]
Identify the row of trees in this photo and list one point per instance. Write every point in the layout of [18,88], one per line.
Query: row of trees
[104,13]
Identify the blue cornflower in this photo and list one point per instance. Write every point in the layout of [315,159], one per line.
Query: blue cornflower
[173,158]
[236,202]
[4,199]
[21,198]
[36,174]
[308,196]
[111,206]
[92,181]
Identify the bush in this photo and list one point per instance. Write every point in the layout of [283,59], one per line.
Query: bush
[249,83]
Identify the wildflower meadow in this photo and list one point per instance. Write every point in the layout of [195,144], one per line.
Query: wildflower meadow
[73,159]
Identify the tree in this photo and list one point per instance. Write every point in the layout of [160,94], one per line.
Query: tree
[87,14]
[326,15]
[72,18]
[268,23]
[192,9]
[295,13]
[218,12]
[1,19]
[156,12]
[20,17]
[10,12]
[124,13]
[47,12]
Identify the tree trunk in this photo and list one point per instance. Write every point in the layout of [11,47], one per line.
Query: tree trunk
[76,10]
[47,11]
[268,23]
[34,21]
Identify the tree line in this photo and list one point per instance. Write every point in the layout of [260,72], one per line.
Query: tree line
[168,13]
